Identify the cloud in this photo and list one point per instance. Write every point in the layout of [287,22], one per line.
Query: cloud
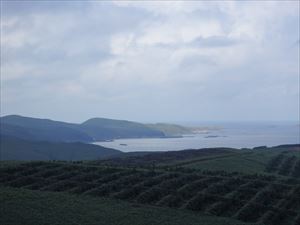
[150,60]
[214,41]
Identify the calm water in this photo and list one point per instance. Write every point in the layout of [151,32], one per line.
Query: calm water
[237,135]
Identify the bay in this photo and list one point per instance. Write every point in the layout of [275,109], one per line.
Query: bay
[229,134]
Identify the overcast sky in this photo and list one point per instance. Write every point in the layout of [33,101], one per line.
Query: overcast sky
[150,61]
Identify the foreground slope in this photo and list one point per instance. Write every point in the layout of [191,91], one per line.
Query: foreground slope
[46,208]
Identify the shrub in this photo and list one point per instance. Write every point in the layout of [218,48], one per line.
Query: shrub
[274,163]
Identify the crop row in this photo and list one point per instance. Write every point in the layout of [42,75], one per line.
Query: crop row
[284,165]
[249,200]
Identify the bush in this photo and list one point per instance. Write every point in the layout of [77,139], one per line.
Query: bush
[130,193]
[286,166]
[296,172]
[151,195]
[226,207]
[201,201]
[251,212]
[173,201]
[275,162]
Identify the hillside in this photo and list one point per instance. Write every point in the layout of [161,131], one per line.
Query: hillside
[97,129]
[17,149]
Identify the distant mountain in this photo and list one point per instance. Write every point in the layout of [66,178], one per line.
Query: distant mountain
[17,149]
[96,129]
[42,129]
[100,128]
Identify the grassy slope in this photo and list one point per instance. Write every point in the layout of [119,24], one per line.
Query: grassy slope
[26,207]
[165,158]
[245,161]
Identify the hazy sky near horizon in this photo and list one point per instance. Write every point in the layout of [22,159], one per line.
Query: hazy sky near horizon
[150,61]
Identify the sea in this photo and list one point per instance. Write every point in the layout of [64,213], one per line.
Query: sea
[220,134]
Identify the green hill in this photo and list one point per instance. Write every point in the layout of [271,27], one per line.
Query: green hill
[18,149]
